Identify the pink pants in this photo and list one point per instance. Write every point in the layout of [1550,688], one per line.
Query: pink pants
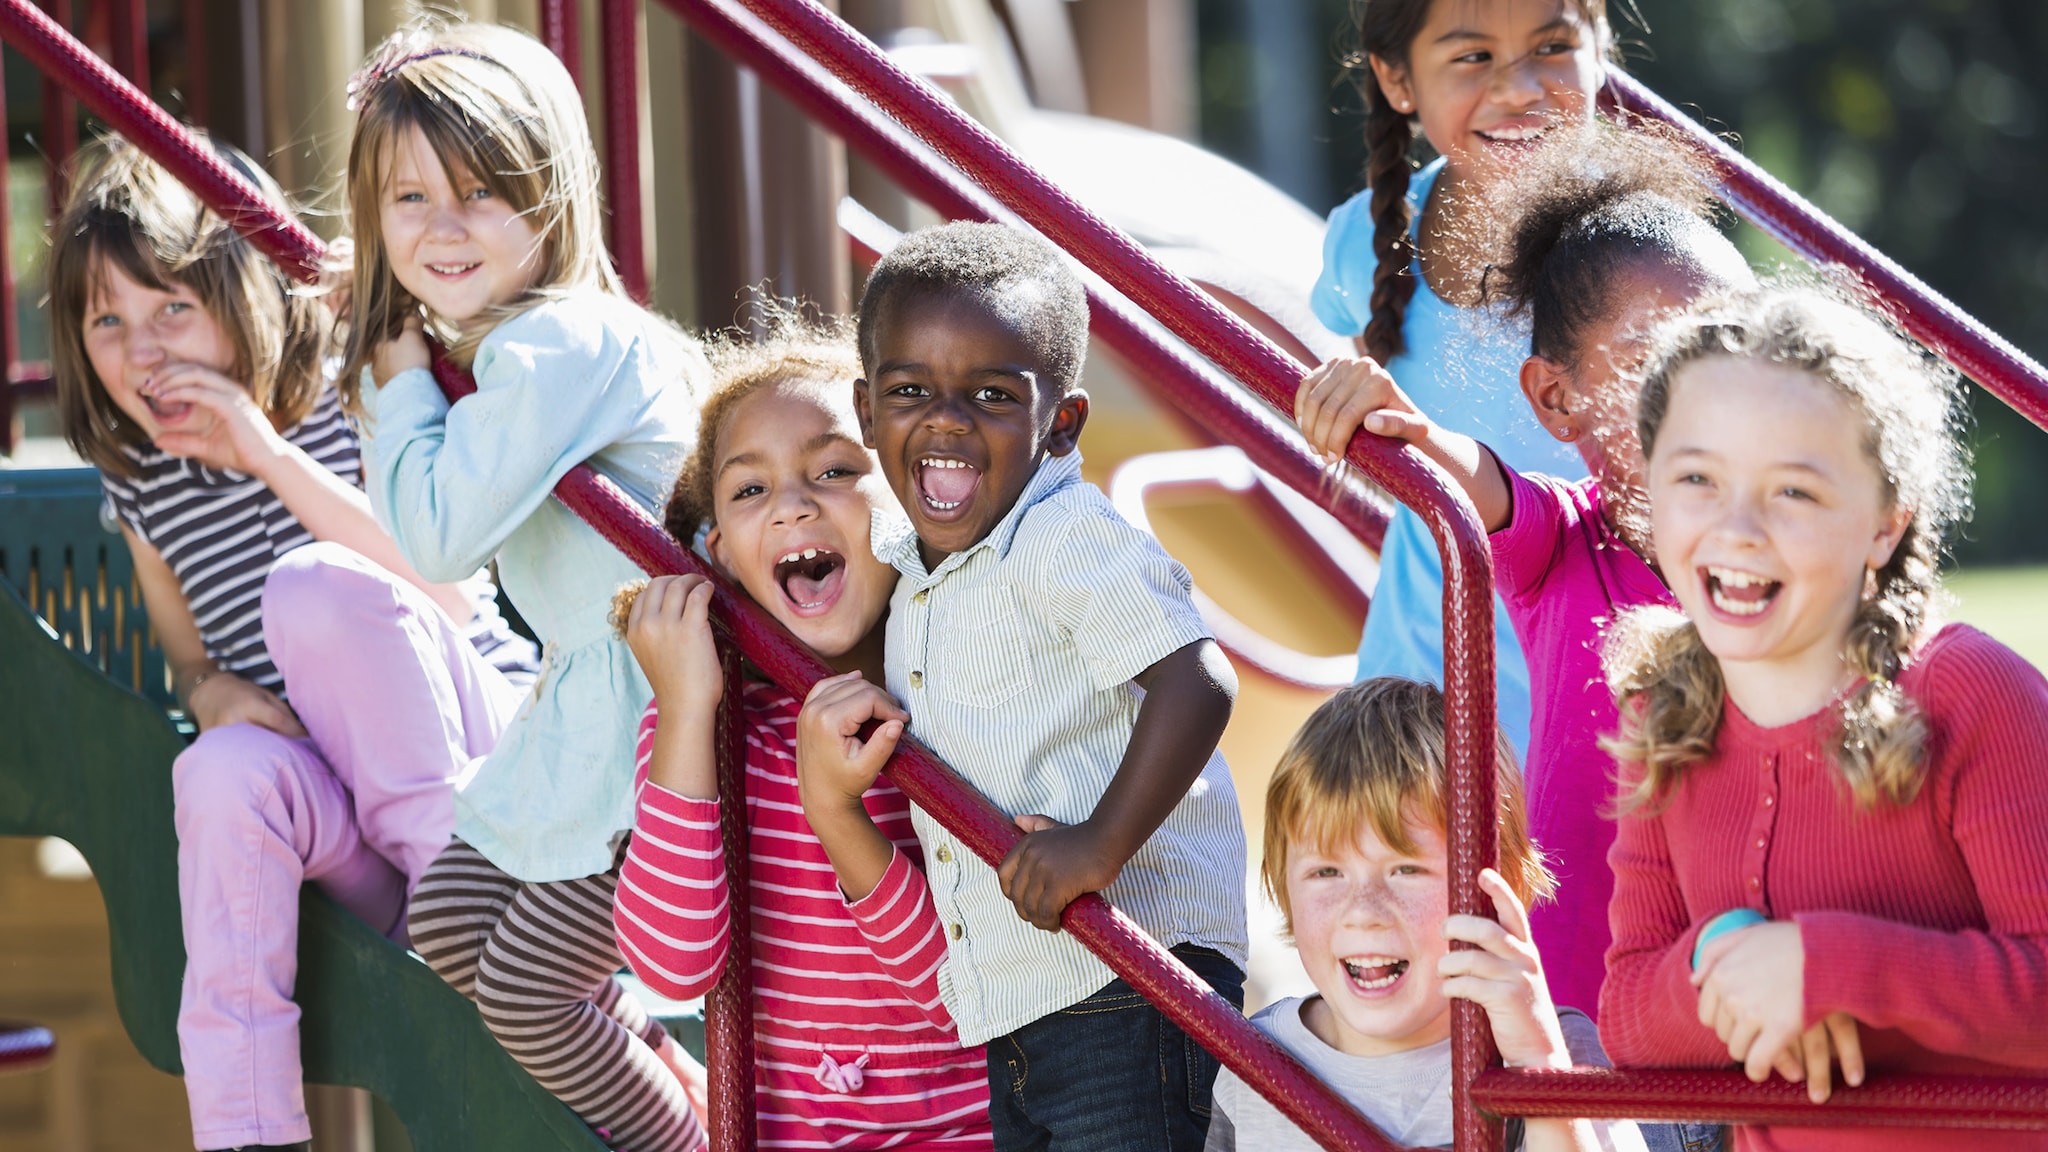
[397,705]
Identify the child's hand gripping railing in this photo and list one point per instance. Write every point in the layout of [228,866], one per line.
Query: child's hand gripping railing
[928,782]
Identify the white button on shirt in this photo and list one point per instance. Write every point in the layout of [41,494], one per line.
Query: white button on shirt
[1015,661]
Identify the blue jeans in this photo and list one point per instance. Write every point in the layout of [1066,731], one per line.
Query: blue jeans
[1684,1136]
[1110,1074]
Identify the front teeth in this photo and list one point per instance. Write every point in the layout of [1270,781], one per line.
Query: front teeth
[1735,577]
[1354,967]
[794,557]
[1514,135]
[945,464]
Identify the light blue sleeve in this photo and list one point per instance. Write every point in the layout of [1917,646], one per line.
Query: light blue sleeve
[555,385]
[1342,298]
[1404,630]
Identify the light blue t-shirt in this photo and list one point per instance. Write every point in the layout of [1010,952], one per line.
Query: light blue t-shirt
[585,378]
[1462,368]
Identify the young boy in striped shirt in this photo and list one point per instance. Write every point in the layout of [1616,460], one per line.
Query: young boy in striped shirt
[1051,654]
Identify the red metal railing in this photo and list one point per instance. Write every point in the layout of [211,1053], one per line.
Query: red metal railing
[1764,200]
[814,33]
[928,782]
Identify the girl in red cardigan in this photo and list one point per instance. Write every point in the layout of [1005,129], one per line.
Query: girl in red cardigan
[1833,851]
[854,1049]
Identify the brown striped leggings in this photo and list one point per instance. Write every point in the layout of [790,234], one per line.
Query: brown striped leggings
[539,961]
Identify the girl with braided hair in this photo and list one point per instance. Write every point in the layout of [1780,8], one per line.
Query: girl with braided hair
[1483,80]
[1833,847]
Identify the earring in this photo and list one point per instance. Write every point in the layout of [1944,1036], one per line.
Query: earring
[1568,434]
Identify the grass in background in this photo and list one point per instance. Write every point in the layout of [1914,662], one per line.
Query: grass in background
[2009,603]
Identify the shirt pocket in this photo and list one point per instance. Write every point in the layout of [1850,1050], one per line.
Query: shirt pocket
[981,658]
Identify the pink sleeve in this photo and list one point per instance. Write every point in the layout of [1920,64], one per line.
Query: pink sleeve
[1980,993]
[671,914]
[902,930]
[1527,545]
[1648,1006]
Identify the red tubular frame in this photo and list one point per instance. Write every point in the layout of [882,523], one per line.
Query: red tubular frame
[1924,1100]
[1195,317]
[987,831]
[1189,390]
[561,29]
[619,22]
[1762,199]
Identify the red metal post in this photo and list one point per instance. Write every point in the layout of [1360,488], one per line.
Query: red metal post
[193,42]
[60,115]
[130,41]
[1763,200]
[619,21]
[729,1009]
[561,29]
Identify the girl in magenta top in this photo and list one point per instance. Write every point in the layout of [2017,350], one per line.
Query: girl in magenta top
[1834,840]
[854,1048]
[1602,234]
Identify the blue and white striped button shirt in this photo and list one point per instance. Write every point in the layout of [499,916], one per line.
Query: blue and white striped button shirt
[1015,660]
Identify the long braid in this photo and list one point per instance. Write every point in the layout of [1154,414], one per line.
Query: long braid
[1388,135]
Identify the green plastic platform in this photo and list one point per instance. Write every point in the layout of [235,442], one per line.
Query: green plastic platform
[85,755]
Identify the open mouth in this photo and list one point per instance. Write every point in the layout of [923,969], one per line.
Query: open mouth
[810,578]
[945,485]
[1374,974]
[1738,593]
[452,270]
[165,413]
[1518,136]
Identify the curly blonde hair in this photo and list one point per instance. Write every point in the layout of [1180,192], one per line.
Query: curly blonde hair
[1667,684]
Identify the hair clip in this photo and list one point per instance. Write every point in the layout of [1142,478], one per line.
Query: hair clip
[366,81]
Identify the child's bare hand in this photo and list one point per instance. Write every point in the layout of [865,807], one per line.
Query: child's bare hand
[1753,993]
[1347,393]
[407,351]
[1504,975]
[225,698]
[1813,1055]
[220,425]
[1054,864]
[834,766]
[669,630]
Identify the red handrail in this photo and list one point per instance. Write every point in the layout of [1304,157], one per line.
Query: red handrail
[1189,390]
[619,24]
[1765,201]
[927,781]
[1272,374]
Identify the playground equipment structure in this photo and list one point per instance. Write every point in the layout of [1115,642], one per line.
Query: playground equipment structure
[943,158]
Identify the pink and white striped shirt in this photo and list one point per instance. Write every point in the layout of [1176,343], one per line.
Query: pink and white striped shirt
[854,1048]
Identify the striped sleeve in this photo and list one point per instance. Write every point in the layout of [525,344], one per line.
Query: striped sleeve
[673,913]
[902,930]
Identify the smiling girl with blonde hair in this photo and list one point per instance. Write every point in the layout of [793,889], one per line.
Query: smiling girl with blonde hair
[473,198]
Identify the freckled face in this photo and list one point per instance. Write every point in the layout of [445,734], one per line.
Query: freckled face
[1368,922]
[961,413]
[794,494]
[1767,512]
[1488,78]
[454,246]
[133,331]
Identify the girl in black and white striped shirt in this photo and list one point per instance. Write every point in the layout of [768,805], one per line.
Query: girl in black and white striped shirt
[338,695]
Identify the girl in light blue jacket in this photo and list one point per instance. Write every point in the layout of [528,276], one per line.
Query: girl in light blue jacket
[473,198]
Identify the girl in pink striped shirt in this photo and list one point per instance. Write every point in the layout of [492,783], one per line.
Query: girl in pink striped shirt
[854,1048]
